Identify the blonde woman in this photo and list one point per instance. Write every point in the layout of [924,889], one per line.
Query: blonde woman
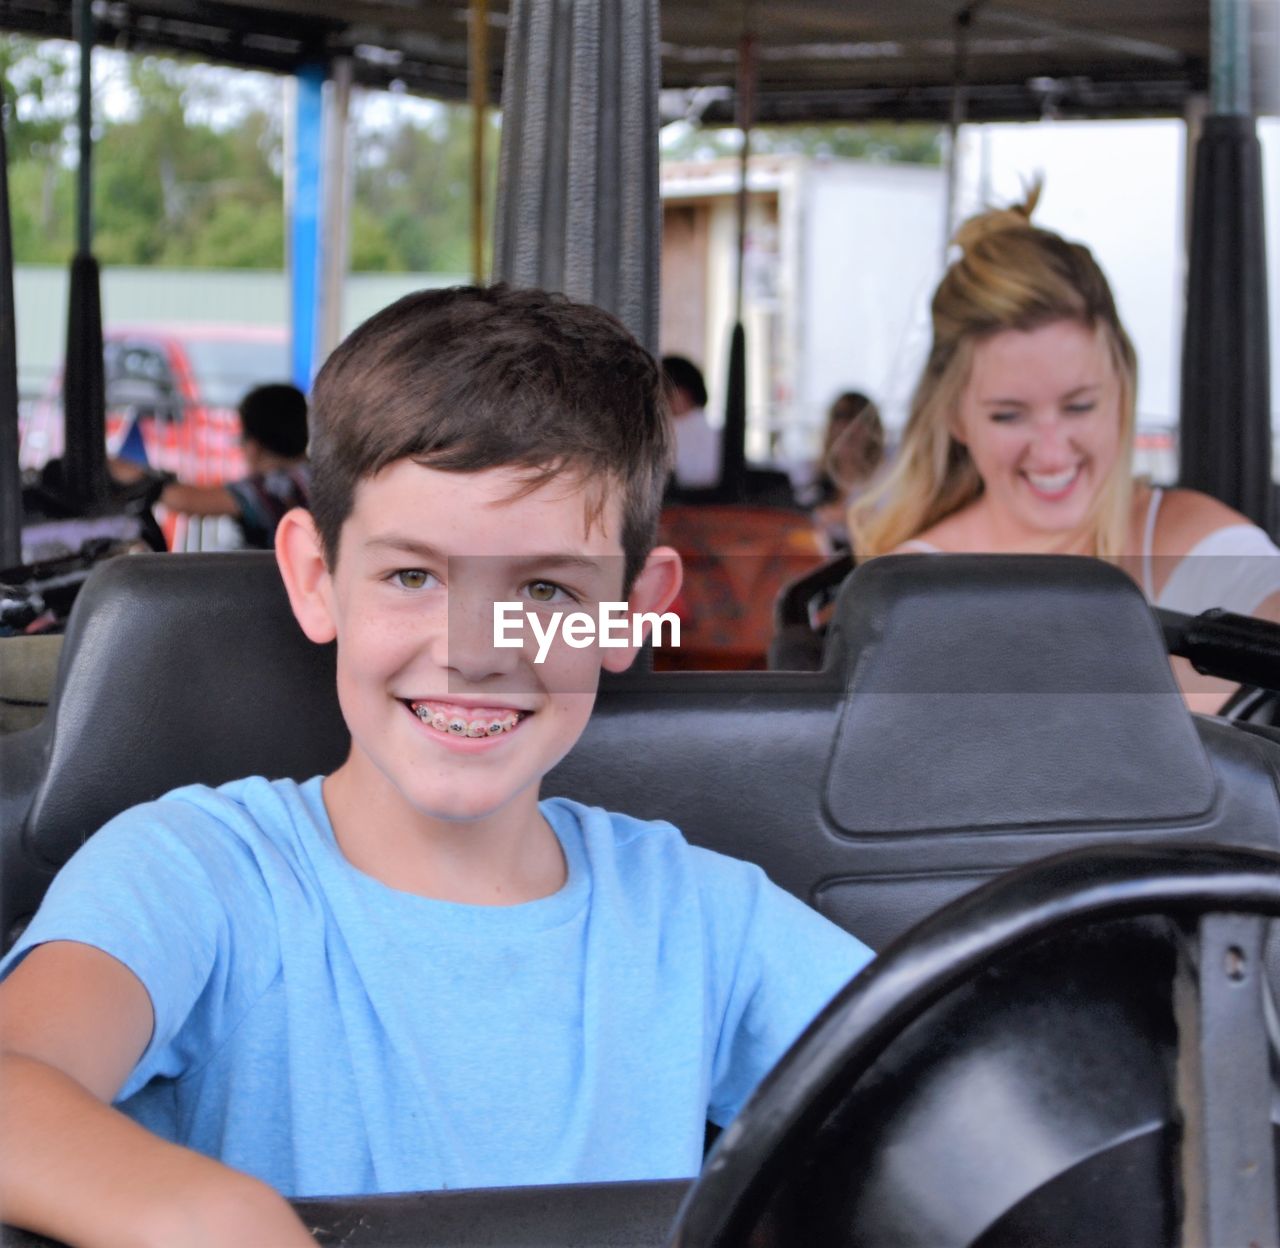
[852,454]
[1020,438]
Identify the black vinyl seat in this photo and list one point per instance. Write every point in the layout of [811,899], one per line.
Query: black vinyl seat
[975,713]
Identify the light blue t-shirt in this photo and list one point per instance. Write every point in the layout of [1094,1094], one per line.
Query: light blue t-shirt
[332,1035]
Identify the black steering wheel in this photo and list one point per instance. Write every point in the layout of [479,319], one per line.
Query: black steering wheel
[1076,1053]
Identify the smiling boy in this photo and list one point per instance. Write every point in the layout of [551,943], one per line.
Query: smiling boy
[412,973]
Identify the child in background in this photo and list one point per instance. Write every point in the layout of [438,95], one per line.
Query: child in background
[273,419]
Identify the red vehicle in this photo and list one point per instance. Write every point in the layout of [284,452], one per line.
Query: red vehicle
[172,392]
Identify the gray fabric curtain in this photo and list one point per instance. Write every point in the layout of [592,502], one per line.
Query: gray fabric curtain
[578,208]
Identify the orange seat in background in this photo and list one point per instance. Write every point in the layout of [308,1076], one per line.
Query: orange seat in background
[736,559]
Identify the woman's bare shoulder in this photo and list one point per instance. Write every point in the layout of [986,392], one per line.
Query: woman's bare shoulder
[953,535]
[1186,517]
[925,543]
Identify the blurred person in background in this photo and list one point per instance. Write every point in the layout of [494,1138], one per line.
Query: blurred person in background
[697,443]
[274,423]
[853,453]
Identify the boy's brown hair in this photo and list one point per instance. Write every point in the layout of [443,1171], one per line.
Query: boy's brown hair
[471,378]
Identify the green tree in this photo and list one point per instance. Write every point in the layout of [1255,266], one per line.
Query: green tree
[187,169]
[914,144]
[413,180]
[172,190]
[40,104]
[180,178]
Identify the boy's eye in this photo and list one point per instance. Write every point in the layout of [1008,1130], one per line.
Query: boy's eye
[412,578]
[548,591]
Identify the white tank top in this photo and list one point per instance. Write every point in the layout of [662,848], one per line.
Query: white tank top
[1236,567]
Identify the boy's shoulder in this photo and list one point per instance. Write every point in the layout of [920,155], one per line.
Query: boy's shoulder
[210,837]
[170,886]
[647,871]
[245,808]
[637,855]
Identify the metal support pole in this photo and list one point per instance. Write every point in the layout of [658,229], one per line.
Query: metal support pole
[82,20]
[303,202]
[746,116]
[10,482]
[578,207]
[1226,387]
[1227,1164]
[479,79]
[1229,32]
[1194,112]
[959,111]
[336,212]
[733,442]
[84,463]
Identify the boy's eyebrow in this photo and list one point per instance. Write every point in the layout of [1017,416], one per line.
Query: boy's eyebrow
[427,552]
[406,545]
[579,562]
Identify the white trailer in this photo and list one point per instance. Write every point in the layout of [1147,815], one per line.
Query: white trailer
[842,257]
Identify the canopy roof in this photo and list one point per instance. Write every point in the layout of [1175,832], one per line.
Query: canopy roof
[819,59]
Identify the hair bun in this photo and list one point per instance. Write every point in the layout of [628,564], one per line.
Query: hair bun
[996,220]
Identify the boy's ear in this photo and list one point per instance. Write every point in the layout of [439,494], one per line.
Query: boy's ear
[654,591]
[306,575]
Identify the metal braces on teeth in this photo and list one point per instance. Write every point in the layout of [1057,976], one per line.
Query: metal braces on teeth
[460,726]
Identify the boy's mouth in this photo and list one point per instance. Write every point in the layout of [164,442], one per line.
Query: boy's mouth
[467,721]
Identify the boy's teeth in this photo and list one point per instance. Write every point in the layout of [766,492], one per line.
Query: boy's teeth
[459,724]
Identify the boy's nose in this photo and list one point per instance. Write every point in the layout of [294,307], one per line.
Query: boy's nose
[468,647]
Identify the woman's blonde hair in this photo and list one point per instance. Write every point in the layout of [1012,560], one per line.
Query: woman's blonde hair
[1009,275]
[853,444]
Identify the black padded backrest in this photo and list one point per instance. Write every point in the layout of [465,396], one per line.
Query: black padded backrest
[175,669]
[996,707]
[974,715]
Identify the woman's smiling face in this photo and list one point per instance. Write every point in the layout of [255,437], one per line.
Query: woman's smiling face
[1041,419]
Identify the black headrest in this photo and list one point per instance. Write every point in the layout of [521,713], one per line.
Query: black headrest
[194,658]
[991,692]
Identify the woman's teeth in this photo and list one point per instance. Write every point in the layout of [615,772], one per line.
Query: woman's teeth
[460,723]
[1054,484]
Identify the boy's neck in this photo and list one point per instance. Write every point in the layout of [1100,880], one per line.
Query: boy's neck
[505,859]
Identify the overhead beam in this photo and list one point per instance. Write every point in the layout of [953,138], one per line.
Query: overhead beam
[894,73]
[1105,41]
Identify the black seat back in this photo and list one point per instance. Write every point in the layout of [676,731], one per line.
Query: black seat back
[975,713]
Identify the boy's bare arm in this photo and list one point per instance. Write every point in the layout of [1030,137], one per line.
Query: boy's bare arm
[73,1024]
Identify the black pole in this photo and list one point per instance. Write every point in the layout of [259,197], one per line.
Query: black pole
[959,111]
[83,21]
[733,450]
[10,480]
[733,443]
[1226,401]
[1226,387]
[84,394]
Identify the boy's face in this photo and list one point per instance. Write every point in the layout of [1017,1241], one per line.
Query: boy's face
[446,725]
